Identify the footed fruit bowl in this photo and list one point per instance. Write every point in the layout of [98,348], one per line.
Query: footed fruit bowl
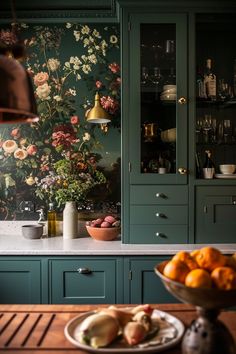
[207,334]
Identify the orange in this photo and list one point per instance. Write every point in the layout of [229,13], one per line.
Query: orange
[194,254]
[187,259]
[198,278]
[210,258]
[224,278]
[176,270]
[231,262]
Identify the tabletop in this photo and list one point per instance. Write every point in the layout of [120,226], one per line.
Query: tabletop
[39,329]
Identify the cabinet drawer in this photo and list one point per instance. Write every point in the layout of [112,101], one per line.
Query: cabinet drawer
[83,281]
[158,214]
[158,194]
[158,234]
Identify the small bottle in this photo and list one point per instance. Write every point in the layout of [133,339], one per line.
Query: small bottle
[210,81]
[52,221]
[200,87]
[209,166]
[42,220]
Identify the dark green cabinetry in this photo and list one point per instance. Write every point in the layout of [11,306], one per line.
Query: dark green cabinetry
[86,280]
[216,214]
[168,123]
[144,287]
[20,280]
[81,280]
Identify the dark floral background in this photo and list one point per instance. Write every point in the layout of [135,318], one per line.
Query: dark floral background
[62,157]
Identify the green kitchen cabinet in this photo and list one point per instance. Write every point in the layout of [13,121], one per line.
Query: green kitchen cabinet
[20,280]
[142,285]
[216,214]
[82,280]
[172,117]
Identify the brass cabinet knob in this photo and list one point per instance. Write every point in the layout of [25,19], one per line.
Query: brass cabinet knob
[160,195]
[182,100]
[182,170]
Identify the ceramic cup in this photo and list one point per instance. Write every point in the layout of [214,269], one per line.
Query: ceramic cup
[208,173]
[227,169]
[161,170]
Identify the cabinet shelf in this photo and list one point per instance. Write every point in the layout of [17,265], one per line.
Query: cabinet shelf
[218,103]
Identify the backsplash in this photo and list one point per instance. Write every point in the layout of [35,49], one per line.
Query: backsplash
[62,157]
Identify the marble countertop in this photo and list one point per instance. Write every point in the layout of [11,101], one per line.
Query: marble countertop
[86,246]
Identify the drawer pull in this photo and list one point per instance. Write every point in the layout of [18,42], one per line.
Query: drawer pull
[84,271]
[159,234]
[161,195]
[160,215]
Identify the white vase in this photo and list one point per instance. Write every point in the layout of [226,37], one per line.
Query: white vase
[70,221]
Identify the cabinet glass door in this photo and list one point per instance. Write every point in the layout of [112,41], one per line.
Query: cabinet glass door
[215,128]
[158,99]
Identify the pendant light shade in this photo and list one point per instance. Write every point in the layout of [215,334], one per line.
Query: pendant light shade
[97,114]
[17,101]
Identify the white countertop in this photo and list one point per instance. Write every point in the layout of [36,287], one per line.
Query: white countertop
[86,246]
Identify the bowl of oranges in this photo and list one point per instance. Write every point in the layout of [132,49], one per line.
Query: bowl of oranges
[204,277]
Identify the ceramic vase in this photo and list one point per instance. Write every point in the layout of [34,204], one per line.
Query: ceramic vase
[70,221]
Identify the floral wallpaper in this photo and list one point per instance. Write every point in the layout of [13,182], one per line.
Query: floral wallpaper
[62,157]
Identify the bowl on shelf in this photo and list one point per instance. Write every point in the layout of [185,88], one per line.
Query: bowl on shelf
[168,97]
[227,169]
[103,233]
[169,135]
[206,334]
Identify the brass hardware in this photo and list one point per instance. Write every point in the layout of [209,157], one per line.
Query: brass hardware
[182,171]
[129,166]
[182,100]
[84,271]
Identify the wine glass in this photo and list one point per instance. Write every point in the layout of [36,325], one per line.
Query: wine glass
[144,75]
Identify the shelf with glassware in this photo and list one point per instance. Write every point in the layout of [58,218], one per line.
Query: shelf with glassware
[215,126]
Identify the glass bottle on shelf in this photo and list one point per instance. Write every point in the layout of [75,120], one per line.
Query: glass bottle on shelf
[200,87]
[52,221]
[209,166]
[210,81]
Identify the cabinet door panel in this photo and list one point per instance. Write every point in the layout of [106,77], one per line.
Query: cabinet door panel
[158,234]
[83,281]
[161,215]
[145,286]
[216,215]
[157,121]
[20,281]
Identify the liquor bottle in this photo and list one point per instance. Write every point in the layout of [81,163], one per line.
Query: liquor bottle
[210,81]
[52,221]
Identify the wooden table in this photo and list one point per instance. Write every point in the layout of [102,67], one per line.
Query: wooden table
[39,329]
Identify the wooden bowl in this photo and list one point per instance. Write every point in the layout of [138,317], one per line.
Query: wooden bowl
[102,233]
[201,297]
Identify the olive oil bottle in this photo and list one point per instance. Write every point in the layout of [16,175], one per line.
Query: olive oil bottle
[52,221]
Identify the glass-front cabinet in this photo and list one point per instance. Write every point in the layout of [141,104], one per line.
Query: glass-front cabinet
[215,96]
[158,98]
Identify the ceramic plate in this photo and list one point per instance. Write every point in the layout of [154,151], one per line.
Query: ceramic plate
[221,175]
[170,333]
